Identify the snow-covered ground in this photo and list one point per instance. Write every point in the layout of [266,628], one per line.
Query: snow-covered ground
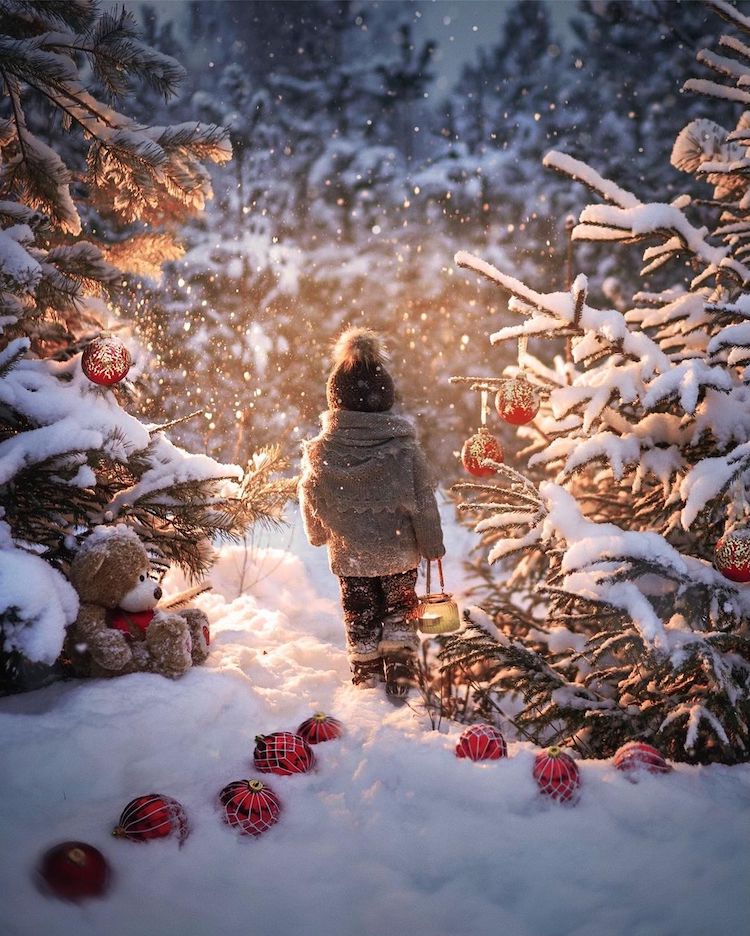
[390,834]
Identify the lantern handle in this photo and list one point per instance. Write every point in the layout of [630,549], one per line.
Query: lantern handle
[440,574]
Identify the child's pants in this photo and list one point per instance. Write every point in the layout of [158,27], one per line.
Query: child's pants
[379,615]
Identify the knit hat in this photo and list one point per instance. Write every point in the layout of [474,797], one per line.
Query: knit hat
[359,380]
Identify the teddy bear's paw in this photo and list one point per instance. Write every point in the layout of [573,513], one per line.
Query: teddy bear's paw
[111,652]
[169,645]
[142,662]
[199,633]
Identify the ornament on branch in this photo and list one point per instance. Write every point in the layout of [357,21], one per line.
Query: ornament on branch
[106,360]
[250,806]
[482,445]
[732,555]
[636,756]
[517,402]
[73,871]
[557,774]
[283,752]
[481,742]
[320,727]
[150,817]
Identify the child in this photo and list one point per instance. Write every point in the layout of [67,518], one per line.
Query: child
[365,491]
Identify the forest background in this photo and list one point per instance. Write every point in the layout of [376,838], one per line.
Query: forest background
[357,174]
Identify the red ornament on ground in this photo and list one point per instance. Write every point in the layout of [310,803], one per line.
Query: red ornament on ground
[557,774]
[74,871]
[481,742]
[250,806]
[480,446]
[283,752]
[152,816]
[320,727]
[105,360]
[636,756]
[732,555]
[517,402]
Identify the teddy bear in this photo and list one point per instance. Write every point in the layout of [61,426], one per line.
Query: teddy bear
[117,630]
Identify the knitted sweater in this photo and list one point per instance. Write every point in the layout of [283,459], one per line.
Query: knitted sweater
[366,492]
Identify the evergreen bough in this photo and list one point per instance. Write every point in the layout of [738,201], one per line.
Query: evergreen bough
[615,624]
[87,196]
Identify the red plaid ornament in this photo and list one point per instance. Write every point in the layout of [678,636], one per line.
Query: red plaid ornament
[732,555]
[636,756]
[73,871]
[250,806]
[517,402]
[282,752]
[481,742]
[557,774]
[150,817]
[478,447]
[105,360]
[320,727]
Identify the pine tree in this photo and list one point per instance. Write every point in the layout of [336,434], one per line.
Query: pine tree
[79,210]
[644,430]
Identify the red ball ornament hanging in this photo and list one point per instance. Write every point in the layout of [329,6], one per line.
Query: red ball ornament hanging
[105,360]
[250,806]
[150,817]
[320,727]
[481,742]
[732,555]
[73,871]
[480,446]
[282,752]
[557,774]
[517,402]
[636,756]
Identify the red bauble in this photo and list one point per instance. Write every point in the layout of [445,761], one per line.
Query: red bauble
[480,446]
[319,728]
[74,871]
[517,401]
[557,774]
[250,806]
[732,555]
[105,360]
[283,753]
[481,742]
[636,756]
[150,817]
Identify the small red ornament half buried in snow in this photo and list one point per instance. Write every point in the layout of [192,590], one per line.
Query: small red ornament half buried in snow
[636,756]
[732,555]
[282,752]
[517,402]
[73,871]
[476,449]
[481,742]
[152,816]
[250,806]
[320,727]
[557,775]
[105,360]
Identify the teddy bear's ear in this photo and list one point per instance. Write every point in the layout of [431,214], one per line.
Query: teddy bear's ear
[95,561]
[86,564]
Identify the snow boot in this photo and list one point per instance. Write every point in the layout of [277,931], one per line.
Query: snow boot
[400,675]
[366,674]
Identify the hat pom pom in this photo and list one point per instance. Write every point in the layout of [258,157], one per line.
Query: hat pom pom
[359,346]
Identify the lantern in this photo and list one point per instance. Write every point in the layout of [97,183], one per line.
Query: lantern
[437,612]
